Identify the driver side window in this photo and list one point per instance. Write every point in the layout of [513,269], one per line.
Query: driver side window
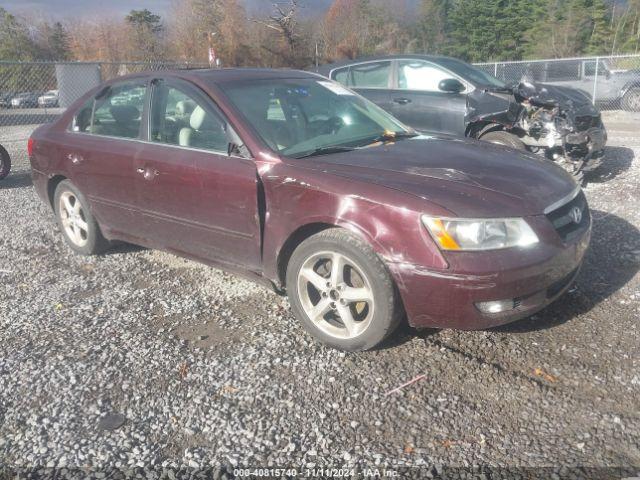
[419,75]
[182,118]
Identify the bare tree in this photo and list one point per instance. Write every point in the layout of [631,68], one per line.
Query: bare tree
[291,45]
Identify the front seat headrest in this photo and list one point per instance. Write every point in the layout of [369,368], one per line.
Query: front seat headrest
[185,107]
[124,113]
[201,120]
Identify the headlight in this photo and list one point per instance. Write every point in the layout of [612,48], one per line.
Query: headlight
[480,233]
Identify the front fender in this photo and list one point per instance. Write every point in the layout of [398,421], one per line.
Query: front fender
[386,219]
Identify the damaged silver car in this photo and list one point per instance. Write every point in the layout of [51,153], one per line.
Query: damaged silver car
[446,95]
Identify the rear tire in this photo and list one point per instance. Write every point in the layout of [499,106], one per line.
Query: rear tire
[631,100]
[500,137]
[79,227]
[5,163]
[342,292]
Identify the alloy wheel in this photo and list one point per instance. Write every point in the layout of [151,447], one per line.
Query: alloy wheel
[335,294]
[73,219]
[634,100]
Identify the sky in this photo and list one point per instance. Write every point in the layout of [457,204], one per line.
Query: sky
[80,8]
[61,9]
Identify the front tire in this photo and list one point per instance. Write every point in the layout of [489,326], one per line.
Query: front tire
[5,163]
[631,100]
[500,137]
[342,292]
[78,226]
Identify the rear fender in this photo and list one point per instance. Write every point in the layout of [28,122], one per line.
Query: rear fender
[631,84]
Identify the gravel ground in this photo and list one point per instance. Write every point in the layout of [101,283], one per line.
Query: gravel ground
[141,359]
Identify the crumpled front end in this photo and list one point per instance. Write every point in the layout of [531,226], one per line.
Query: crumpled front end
[562,124]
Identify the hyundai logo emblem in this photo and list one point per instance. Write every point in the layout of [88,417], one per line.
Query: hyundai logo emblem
[575,214]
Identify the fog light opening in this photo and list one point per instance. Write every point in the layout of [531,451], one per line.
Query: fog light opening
[496,306]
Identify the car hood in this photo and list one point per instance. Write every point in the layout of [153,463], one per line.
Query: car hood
[467,177]
[543,94]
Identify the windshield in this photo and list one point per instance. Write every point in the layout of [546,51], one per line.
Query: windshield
[297,117]
[471,73]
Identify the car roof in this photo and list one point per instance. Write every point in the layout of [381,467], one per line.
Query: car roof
[222,75]
[343,63]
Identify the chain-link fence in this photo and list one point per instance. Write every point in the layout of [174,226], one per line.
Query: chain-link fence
[612,83]
[33,93]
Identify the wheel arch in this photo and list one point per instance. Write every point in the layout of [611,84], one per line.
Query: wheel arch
[52,184]
[302,232]
[479,128]
[291,243]
[628,86]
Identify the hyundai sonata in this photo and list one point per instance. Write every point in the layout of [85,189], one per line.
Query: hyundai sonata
[299,183]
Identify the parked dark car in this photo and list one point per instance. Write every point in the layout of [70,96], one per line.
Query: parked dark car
[49,99]
[25,100]
[446,95]
[5,99]
[303,185]
[618,88]
[5,162]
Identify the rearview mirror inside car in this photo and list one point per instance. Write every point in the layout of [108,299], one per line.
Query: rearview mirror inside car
[451,85]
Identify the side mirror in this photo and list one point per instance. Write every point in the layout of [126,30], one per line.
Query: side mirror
[451,85]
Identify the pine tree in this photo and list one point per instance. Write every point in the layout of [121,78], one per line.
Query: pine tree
[15,42]
[146,28]
[600,38]
[482,30]
[432,25]
[58,41]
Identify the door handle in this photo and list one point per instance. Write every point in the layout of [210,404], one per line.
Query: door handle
[75,159]
[402,100]
[148,173]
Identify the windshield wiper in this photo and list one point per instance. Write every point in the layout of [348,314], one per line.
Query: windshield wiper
[326,151]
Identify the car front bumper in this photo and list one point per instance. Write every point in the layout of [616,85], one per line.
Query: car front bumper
[587,147]
[532,278]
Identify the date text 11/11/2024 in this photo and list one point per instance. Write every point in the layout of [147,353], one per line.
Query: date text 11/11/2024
[315,472]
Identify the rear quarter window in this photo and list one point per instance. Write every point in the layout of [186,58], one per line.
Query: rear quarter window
[82,119]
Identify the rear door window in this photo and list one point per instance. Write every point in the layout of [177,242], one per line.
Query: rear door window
[562,71]
[118,112]
[365,75]
[590,68]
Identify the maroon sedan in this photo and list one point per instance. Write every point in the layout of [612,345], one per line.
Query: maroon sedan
[299,183]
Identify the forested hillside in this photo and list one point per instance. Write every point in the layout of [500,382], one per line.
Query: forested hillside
[291,33]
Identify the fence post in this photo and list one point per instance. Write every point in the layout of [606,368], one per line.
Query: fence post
[595,80]
[495,69]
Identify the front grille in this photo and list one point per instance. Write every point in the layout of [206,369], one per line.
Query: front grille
[564,222]
[556,287]
[585,122]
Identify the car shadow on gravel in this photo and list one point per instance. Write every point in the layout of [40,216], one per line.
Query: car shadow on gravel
[119,248]
[617,160]
[16,180]
[612,260]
